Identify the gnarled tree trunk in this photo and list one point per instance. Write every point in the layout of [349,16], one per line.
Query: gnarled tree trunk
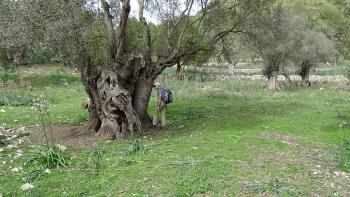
[117,113]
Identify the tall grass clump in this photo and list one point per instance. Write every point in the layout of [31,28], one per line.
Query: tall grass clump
[51,155]
[95,155]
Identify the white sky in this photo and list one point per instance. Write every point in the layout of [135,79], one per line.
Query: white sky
[135,7]
[135,12]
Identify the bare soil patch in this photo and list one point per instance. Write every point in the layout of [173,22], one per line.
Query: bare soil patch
[73,136]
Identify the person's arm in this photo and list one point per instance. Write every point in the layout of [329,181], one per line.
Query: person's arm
[159,99]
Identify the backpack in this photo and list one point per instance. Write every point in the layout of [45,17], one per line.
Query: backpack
[167,95]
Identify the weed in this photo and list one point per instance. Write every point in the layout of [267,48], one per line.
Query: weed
[96,154]
[34,175]
[3,140]
[274,186]
[125,161]
[190,114]
[343,156]
[8,75]
[190,163]
[43,110]
[49,157]
[135,147]
[22,134]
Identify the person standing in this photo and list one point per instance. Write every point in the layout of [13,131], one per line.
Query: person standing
[160,107]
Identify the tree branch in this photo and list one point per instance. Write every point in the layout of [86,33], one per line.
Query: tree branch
[122,29]
[110,29]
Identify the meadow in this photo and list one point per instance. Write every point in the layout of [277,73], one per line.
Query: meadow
[224,137]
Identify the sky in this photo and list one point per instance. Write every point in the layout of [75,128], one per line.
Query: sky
[135,7]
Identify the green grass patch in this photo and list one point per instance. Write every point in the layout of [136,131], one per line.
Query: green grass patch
[223,138]
[16,98]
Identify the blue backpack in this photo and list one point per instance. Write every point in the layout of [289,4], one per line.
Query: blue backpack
[167,95]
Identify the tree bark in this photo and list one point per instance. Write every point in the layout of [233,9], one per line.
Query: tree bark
[305,81]
[117,115]
[272,81]
[141,99]
[304,72]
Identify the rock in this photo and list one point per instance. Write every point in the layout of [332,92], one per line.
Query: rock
[47,171]
[15,169]
[26,186]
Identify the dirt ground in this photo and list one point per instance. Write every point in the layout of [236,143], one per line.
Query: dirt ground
[72,136]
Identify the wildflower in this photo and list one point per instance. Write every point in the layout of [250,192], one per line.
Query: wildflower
[47,171]
[26,186]
[2,110]
[61,147]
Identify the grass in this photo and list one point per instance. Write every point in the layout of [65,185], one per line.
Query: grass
[224,138]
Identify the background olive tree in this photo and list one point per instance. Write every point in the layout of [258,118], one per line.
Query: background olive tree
[312,49]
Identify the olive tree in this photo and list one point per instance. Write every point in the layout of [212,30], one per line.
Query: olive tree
[313,48]
[116,53]
[276,34]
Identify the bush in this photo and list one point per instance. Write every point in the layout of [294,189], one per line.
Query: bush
[16,98]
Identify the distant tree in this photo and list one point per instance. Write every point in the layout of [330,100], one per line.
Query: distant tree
[275,36]
[331,17]
[232,49]
[313,48]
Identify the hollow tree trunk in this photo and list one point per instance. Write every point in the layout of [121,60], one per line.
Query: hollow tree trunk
[117,114]
[272,81]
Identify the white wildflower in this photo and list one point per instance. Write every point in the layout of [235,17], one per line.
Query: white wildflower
[26,186]
[19,153]
[61,147]
[47,171]
[2,110]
